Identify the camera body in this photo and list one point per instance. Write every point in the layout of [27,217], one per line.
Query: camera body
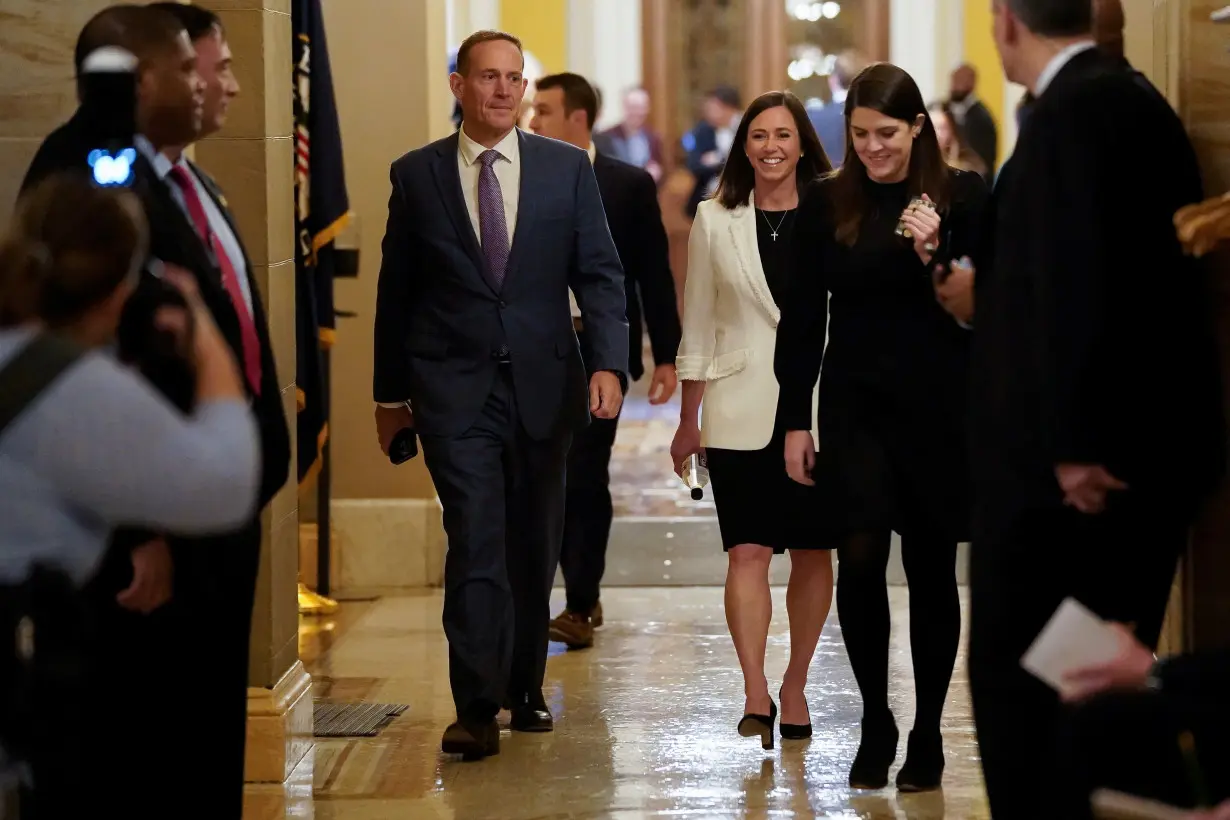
[108,87]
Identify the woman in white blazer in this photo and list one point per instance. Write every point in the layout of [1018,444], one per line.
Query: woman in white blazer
[739,267]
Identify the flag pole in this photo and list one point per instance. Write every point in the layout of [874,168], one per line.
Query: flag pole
[319,602]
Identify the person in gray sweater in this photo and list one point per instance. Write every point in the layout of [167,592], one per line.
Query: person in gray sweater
[100,447]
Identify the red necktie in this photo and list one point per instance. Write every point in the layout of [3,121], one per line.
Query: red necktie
[230,278]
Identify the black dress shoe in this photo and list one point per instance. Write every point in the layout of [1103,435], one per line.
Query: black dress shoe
[531,717]
[876,751]
[473,741]
[924,762]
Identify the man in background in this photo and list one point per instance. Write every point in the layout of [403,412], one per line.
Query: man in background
[973,116]
[829,119]
[709,141]
[633,141]
[1090,466]
[222,604]
[565,108]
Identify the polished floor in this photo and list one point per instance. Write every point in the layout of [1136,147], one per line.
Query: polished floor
[645,724]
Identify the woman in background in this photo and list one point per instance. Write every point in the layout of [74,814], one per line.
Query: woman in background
[892,397]
[953,145]
[739,268]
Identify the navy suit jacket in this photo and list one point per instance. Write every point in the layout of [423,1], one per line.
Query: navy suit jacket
[442,324]
[830,124]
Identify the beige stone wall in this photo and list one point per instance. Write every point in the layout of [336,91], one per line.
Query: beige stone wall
[36,80]
[390,65]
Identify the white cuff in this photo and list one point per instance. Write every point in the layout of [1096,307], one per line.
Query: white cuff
[395,405]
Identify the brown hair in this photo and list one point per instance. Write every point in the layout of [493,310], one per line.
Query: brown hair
[962,156]
[578,93]
[69,246]
[479,37]
[885,88]
[739,178]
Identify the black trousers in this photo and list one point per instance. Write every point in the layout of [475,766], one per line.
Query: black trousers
[1120,564]
[587,513]
[143,664]
[1129,742]
[503,499]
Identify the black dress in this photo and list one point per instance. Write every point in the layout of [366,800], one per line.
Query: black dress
[892,403]
[757,502]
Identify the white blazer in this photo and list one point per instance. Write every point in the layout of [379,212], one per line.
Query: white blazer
[730,330]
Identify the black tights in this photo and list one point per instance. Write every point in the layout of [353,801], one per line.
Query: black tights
[935,619]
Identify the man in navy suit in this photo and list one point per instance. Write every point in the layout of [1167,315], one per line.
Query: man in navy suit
[475,350]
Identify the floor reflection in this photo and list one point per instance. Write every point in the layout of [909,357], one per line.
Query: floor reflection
[645,725]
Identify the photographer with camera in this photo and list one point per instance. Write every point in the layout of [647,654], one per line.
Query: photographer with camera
[190,226]
[87,445]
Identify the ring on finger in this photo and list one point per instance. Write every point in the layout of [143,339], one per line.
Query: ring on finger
[929,247]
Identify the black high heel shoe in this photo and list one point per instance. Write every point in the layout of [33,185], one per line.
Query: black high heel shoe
[794,731]
[876,751]
[923,770]
[760,726]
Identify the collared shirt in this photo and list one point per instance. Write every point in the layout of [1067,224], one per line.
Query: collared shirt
[1057,63]
[507,173]
[162,166]
[960,109]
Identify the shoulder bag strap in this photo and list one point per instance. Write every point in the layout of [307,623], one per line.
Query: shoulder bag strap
[35,367]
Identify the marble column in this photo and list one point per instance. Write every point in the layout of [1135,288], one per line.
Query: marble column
[390,66]
[252,160]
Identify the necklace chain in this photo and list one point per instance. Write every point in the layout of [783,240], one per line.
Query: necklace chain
[774,230]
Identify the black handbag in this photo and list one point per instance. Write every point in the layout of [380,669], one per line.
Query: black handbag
[44,629]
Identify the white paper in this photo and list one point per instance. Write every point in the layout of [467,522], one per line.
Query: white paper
[1073,638]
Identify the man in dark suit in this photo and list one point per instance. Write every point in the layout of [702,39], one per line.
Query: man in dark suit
[1096,426]
[829,119]
[708,143]
[973,116]
[565,108]
[475,350]
[214,578]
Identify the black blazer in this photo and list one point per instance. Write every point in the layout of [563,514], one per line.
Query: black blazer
[1093,339]
[982,135]
[630,199]
[442,324]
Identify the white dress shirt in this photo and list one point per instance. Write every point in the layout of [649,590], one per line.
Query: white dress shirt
[217,222]
[507,172]
[1057,63]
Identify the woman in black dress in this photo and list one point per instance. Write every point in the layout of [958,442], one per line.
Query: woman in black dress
[891,453]
[739,262]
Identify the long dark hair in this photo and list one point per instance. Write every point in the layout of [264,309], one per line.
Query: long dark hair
[885,88]
[739,178]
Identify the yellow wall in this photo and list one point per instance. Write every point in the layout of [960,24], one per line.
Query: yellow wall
[542,26]
[981,54]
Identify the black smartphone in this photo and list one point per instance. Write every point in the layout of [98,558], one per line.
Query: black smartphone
[405,446]
[108,88]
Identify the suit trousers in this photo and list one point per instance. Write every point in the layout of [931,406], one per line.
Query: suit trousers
[1129,742]
[587,512]
[1120,564]
[503,499]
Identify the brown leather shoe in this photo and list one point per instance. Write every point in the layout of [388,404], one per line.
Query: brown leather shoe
[573,629]
[473,741]
[596,616]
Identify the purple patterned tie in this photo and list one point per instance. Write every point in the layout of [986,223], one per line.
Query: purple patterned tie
[491,223]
